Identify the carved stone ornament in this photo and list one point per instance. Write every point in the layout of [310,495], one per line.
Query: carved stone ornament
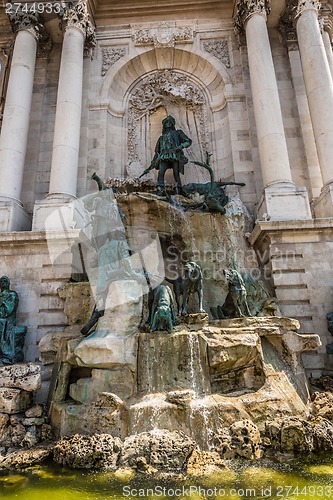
[247,8]
[219,49]
[166,89]
[77,16]
[163,36]
[304,5]
[111,56]
[31,21]
[287,26]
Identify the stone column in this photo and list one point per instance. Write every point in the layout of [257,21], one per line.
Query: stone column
[282,199]
[66,142]
[319,90]
[288,32]
[326,26]
[16,118]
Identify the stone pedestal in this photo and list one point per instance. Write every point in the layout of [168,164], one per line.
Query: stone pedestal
[285,202]
[58,214]
[13,217]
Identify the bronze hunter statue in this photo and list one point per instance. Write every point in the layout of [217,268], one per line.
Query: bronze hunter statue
[169,154]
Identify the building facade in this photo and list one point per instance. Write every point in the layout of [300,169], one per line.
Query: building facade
[84,88]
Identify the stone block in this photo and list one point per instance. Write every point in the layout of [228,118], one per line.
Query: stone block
[25,376]
[109,352]
[14,400]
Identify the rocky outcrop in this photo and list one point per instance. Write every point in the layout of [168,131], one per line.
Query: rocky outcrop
[160,449]
[100,451]
[322,405]
[205,463]
[26,458]
[241,440]
[296,436]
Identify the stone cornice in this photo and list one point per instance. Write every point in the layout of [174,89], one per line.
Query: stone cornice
[247,8]
[77,16]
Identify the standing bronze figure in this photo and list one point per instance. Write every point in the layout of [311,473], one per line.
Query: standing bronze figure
[169,154]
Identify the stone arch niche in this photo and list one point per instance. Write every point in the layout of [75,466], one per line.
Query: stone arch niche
[141,90]
[153,98]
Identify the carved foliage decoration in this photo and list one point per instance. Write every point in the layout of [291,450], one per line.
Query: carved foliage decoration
[219,49]
[247,8]
[163,36]
[170,90]
[78,17]
[111,56]
[32,21]
[306,5]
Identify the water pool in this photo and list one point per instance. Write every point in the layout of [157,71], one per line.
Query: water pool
[310,478]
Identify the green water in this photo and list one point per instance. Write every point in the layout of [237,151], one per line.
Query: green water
[311,478]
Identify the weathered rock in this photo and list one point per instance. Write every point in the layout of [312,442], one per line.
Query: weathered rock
[100,451]
[204,463]
[163,450]
[322,434]
[324,382]
[34,412]
[173,361]
[245,441]
[322,405]
[110,351]
[18,433]
[50,343]
[33,421]
[4,419]
[26,376]
[119,380]
[180,398]
[25,458]
[200,319]
[296,436]
[14,400]
[107,415]
[79,302]
[290,435]
[235,361]
[31,437]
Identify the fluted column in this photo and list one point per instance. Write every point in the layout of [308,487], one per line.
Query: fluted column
[319,90]
[275,167]
[16,117]
[58,210]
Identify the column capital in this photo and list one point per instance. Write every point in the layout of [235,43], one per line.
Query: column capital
[248,8]
[304,5]
[326,23]
[77,16]
[287,26]
[28,21]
